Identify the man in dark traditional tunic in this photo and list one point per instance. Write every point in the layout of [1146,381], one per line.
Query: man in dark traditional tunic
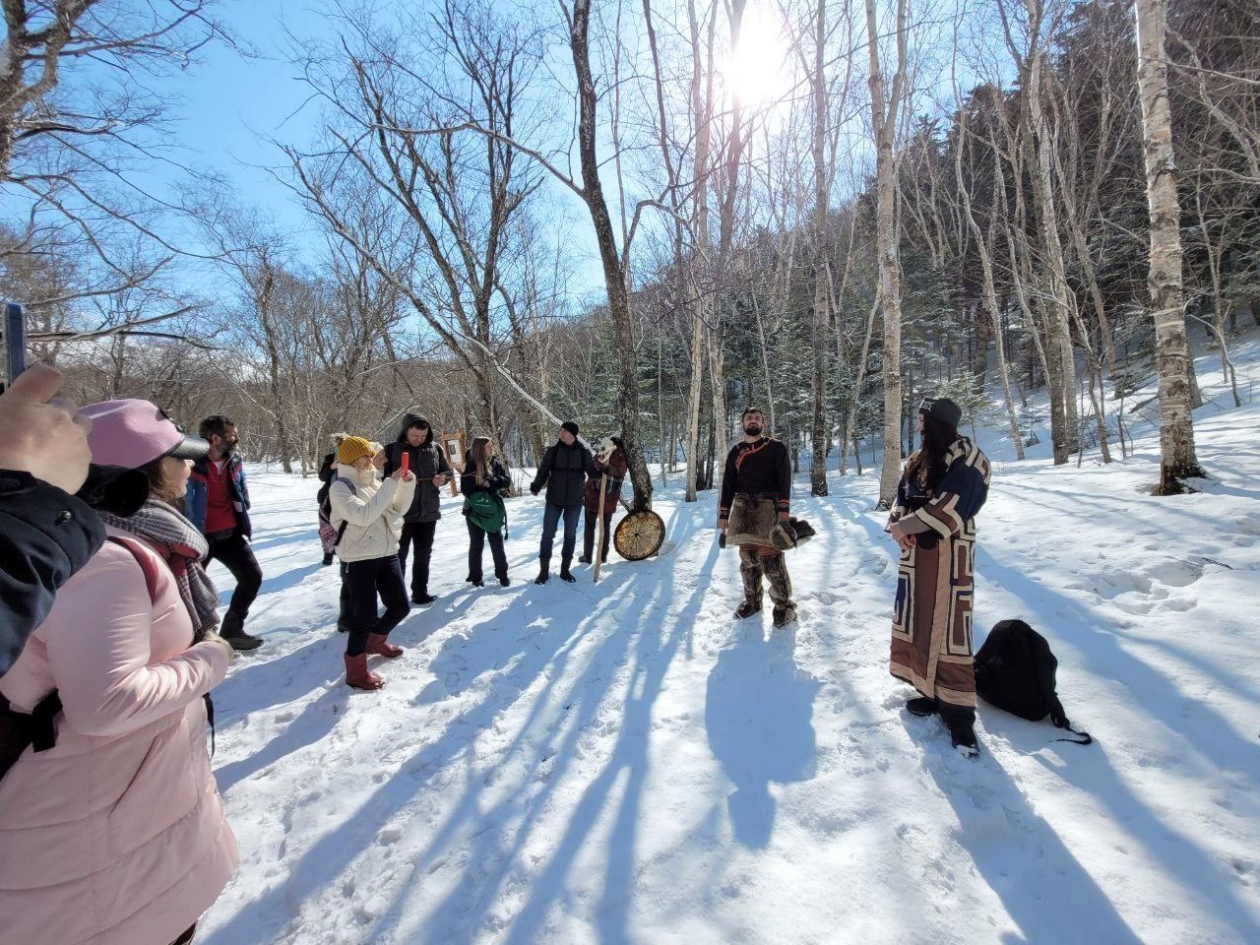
[944,486]
[756,496]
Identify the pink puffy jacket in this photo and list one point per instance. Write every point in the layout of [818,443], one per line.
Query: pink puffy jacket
[116,836]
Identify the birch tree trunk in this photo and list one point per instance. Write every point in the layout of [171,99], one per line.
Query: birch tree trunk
[820,434]
[884,126]
[1178,459]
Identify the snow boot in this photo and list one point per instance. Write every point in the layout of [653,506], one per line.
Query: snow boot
[544,571]
[379,645]
[961,722]
[922,706]
[780,589]
[565,574]
[233,630]
[584,559]
[422,598]
[503,580]
[750,573]
[358,676]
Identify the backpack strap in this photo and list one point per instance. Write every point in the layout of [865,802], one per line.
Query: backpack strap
[1060,720]
[341,529]
[37,729]
[150,582]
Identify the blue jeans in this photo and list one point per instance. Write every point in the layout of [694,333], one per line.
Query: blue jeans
[551,518]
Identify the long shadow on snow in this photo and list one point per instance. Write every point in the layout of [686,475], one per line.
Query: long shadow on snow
[489,846]
[1044,888]
[1215,740]
[334,851]
[629,754]
[316,720]
[758,712]
[587,695]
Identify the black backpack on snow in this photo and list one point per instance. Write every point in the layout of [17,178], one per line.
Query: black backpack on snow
[1015,671]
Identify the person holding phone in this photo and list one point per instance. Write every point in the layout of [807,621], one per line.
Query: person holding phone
[368,515]
[427,460]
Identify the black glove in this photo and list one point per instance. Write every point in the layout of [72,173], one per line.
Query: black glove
[721,539]
[534,490]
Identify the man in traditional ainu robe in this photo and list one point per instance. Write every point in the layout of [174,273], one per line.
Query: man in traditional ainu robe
[944,486]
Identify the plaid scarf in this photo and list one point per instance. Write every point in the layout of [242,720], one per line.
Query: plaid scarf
[184,548]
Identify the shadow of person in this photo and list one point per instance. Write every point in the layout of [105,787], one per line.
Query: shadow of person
[317,719]
[758,713]
[1045,890]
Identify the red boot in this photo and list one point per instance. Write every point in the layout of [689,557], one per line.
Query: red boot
[358,676]
[379,645]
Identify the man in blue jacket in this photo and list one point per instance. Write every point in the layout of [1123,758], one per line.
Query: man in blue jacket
[218,504]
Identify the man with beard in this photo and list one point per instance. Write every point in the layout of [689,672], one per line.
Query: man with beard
[756,496]
[428,461]
[218,504]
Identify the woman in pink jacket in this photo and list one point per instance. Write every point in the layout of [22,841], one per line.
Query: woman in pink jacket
[116,835]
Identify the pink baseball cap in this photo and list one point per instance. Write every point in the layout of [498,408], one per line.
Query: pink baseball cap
[132,433]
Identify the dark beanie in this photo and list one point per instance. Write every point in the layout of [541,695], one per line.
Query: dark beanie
[570,426]
[942,409]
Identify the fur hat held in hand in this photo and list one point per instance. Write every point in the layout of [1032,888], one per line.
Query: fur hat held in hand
[791,534]
[607,446]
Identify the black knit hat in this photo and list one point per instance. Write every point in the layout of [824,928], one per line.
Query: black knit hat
[942,409]
[570,426]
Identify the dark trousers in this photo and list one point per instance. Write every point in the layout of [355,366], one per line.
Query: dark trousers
[551,518]
[476,542]
[367,579]
[343,605]
[417,535]
[591,522]
[237,556]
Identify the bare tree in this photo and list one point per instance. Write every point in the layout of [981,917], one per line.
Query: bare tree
[1178,459]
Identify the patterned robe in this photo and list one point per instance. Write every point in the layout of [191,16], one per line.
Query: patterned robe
[931,633]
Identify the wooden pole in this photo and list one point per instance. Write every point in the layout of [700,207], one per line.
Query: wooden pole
[599,525]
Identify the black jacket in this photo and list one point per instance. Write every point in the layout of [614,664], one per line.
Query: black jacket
[427,460]
[563,471]
[46,535]
[763,468]
[498,478]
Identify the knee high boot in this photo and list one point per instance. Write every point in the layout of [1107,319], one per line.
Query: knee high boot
[780,589]
[750,572]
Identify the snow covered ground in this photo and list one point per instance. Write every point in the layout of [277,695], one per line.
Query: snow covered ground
[624,762]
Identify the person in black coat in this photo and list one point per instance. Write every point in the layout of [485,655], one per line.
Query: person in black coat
[484,473]
[428,462]
[563,470]
[46,533]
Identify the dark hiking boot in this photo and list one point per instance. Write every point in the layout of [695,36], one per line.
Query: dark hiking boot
[379,645]
[747,609]
[477,583]
[961,720]
[922,706]
[423,599]
[544,571]
[783,616]
[565,574]
[504,581]
[233,630]
[358,676]
[584,559]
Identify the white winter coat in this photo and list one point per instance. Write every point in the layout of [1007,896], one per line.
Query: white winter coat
[372,511]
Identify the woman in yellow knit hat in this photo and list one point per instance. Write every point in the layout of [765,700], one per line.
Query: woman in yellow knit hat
[367,514]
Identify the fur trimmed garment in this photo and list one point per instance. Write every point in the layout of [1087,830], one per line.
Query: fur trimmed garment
[752,519]
[931,632]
